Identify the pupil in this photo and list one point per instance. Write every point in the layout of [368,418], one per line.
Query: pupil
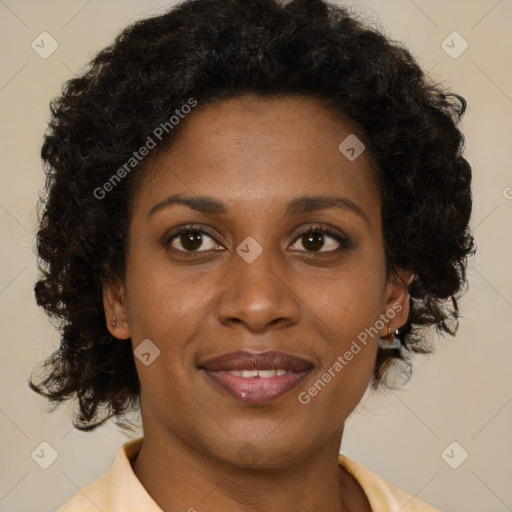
[191,241]
[316,239]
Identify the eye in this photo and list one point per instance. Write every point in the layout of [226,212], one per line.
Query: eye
[191,239]
[320,239]
[313,239]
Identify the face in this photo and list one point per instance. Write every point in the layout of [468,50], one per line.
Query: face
[244,277]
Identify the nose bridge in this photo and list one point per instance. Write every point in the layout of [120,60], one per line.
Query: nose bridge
[256,291]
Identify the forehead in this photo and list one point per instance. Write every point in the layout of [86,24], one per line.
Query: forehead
[252,149]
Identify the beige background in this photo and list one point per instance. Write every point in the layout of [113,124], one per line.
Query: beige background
[463,393]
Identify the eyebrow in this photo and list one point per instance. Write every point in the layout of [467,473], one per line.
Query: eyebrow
[297,206]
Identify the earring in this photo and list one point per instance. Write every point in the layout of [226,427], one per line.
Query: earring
[114,322]
[390,340]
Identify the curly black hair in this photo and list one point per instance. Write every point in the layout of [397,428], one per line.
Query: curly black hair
[211,50]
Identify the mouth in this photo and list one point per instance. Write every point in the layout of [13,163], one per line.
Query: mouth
[256,377]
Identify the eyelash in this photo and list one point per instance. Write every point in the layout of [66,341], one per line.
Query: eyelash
[315,229]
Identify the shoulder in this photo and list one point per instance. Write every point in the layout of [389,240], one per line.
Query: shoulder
[118,490]
[91,498]
[383,496]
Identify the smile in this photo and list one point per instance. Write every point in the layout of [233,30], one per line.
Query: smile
[256,377]
[256,386]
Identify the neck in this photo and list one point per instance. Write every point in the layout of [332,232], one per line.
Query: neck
[180,477]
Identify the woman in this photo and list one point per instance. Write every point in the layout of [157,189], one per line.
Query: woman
[254,210]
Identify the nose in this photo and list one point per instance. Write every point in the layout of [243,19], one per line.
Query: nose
[259,295]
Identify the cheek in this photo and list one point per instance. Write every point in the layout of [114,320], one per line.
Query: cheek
[348,359]
[349,303]
[168,307]
[162,304]
[344,311]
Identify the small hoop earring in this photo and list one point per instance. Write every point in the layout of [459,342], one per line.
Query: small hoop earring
[390,340]
[114,322]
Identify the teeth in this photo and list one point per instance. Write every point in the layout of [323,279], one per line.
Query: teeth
[263,374]
[249,373]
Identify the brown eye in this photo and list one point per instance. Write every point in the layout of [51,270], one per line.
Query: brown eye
[191,240]
[318,239]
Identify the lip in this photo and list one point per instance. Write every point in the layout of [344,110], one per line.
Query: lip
[247,360]
[256,390]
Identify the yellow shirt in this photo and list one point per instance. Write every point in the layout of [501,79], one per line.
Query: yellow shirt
[119,489]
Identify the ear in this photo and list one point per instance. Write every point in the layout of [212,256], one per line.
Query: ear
[396,299]
[114,304]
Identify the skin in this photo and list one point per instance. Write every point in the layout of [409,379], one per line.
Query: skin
[202,448]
